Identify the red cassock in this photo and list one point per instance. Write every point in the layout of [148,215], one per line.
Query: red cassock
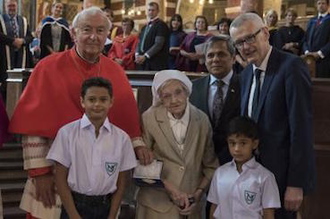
[51,98]
[124,48]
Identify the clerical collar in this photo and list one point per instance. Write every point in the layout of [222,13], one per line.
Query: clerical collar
[80,56]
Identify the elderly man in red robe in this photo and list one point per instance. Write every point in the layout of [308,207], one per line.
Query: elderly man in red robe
[51,99]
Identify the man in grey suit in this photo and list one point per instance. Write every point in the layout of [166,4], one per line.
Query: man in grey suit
[218,94]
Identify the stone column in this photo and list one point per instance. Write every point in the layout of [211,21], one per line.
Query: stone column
[89,3]
[236,7]
[189,11]
[273,4]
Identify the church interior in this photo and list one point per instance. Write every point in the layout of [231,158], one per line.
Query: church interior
[12,175]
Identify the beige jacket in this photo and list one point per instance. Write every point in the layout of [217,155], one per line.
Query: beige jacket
[185,170]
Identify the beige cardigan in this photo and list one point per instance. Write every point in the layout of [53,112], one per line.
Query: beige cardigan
[186,170]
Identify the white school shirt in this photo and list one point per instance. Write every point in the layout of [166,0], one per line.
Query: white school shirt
[243,195]
[93,163]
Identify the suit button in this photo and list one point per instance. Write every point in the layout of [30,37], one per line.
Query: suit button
[181,168]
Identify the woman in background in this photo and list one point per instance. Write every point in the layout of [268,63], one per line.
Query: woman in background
[190,59]
[290,36]
[223,25]
[123,47]
[55,33]
[177,35]
[271,19]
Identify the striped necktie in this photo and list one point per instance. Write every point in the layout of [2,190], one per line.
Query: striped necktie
[14,27]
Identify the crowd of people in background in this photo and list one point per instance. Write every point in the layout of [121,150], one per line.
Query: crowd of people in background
[252,112]
[159,46]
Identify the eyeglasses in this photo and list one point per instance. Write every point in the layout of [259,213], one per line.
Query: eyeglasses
[249,40]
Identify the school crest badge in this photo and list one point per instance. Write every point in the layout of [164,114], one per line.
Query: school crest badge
[110,167]
[249,196]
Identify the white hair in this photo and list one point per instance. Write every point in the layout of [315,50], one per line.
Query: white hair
[247,17]
[90,12]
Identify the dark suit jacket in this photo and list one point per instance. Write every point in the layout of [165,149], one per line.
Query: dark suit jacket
[27,40]
[157,61]
[318,38]
[4,40]
[199,98]
[284,119]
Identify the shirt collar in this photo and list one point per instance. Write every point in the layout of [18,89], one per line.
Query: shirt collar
[225,80]
[250,164]
[151,21]
[323,15]
[264,63]
[85,122]
[185,117]
[13,17]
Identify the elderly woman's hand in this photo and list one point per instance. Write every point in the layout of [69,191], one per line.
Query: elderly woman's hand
[180,199]
[196,196]
[144,155]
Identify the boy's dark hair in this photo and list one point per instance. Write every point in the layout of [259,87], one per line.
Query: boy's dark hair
[95,82]
[243,125]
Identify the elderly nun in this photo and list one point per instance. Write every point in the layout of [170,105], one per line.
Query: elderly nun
[180,135]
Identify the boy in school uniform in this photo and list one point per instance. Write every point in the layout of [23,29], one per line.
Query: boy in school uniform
[92,157]
[243,188]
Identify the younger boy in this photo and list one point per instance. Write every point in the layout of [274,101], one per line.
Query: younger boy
[243,188]
[93,157]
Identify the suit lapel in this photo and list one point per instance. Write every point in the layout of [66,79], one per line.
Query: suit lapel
[165,127]
[245,93]
[231,94]
[191,131]
[269,75]
[204,89]
[312,32]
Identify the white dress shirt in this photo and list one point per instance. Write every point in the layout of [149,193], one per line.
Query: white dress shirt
[94,163]
[213,87]
[243,195]
[263,68]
